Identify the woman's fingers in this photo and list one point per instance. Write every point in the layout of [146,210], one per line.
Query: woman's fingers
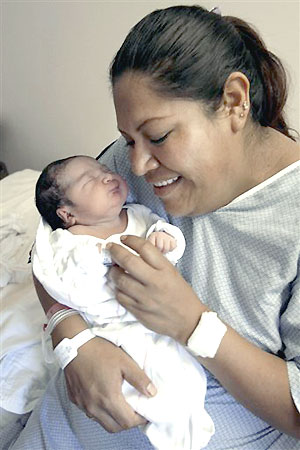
[107,421]
[117,416]
[125,416]
[95,385]
[115,413]
[92,412]
[132,263]
[125,283]
[138,378]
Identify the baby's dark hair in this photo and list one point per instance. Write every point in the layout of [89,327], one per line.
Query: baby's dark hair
[189,52]
[50,194]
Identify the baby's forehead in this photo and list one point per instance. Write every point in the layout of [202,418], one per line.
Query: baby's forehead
[84,163]
[78,168]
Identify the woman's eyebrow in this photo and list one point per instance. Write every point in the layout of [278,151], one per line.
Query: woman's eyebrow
[150,120]
[145,122]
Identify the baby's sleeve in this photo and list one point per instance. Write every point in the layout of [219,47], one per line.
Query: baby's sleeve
[69,267]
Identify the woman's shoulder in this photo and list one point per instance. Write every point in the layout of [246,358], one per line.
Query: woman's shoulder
[280,192]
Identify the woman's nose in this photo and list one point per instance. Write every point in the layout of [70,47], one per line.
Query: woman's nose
[142,161]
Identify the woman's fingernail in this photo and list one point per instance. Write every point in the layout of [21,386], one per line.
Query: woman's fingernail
[108,246]
[123,238]
[151,389]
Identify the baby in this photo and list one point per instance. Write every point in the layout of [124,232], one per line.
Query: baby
[82,204]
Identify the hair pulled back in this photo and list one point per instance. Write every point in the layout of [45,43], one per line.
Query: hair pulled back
[189,52]
[49,194]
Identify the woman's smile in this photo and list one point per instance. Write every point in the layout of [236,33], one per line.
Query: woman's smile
[166,187]
[165,182]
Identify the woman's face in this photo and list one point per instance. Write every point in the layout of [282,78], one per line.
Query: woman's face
[187,157]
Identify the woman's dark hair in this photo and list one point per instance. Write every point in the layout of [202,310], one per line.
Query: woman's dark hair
[189,52]
[50,194]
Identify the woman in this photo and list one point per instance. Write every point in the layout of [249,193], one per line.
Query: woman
[199,101]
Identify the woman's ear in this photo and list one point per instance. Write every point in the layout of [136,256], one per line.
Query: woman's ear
[65,215]
[236,99]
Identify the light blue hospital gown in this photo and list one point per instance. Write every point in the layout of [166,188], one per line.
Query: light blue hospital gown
[243,261]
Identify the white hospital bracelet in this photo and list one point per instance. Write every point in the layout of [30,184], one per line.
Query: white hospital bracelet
[66,350]
[207,336]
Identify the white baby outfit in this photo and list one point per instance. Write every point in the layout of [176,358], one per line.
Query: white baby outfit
[73,271]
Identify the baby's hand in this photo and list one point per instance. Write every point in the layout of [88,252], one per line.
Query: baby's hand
[163,241]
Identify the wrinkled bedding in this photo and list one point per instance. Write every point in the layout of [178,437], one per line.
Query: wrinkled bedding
[23,372]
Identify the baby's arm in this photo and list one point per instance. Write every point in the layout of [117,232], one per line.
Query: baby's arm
[171,235]
[159,228]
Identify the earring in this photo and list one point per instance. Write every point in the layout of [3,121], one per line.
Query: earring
[245,106]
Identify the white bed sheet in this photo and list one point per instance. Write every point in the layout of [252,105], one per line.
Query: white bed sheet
[23,372]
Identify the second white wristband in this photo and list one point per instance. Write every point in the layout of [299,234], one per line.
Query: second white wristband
[207,336]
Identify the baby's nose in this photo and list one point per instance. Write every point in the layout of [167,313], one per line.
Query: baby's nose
[107,178]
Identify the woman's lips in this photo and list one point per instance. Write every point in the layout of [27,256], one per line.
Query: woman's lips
[165,182]
[164,187]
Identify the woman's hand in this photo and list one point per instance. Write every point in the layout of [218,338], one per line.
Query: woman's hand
[94,380]
[151,289]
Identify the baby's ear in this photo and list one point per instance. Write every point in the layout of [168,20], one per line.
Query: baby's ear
[65,215]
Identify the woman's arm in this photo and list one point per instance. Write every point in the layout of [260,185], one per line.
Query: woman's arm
[94,378]
[152,290]
[256,379]
[45,300]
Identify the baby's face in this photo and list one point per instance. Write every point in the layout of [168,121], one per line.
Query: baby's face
[96,192]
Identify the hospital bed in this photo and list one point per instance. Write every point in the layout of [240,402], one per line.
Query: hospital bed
[24,374]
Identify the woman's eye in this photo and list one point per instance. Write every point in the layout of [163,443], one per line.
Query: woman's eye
[160,140]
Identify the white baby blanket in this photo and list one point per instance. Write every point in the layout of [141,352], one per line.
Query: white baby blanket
[73,271]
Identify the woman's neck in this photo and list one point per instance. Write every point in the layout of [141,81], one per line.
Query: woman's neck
[273,152]
[261,155]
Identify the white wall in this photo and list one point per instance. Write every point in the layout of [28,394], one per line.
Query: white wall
[56,98]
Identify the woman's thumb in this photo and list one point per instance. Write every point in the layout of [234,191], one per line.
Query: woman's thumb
[137,378]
